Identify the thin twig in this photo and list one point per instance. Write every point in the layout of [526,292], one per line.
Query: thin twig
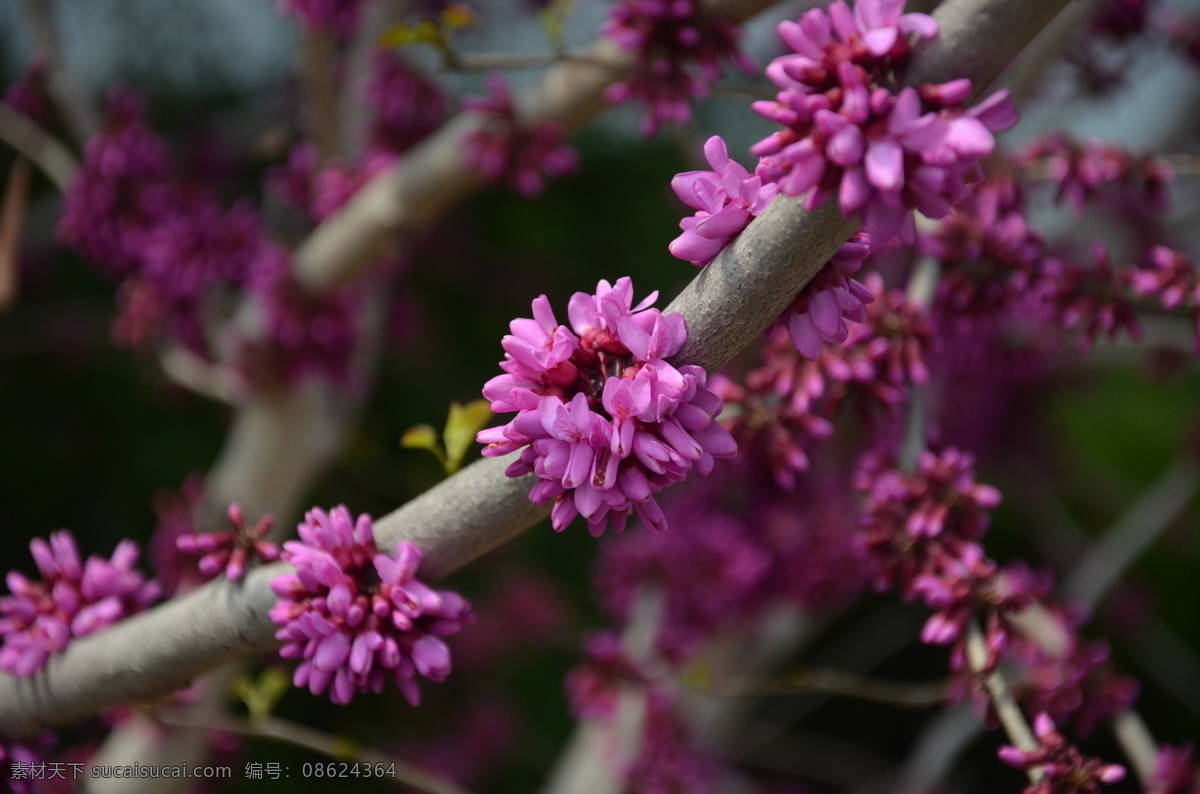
[320,84]
[81,118]
[1007,710]
[39,147]
[828,681]
[483,61]
[302,736]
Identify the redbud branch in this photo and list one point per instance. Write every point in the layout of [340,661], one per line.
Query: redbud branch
[302,736]
[600,749]
[1137,743]
[829,681]
[319,71]
[433,176]
[1134,531]
[39,147]
[483,61]
[80,116]
[726,308]
[1007,711]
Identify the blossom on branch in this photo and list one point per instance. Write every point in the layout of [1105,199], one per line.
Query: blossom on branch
[357,616]
[504,150]
[851,129]
[726,199]
[602,419]
[679,49]
[73,598]
[1063,769]
[231,551]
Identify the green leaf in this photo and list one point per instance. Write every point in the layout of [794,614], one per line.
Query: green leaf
[463,424]
[423,437]
[264,693]
[553,20]
[404,34]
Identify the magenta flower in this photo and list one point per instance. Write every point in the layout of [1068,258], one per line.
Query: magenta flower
[231,551]
[104,216]
[820,311]
[356,616]
[405,106]
[679,49]
[726,199]
[1064,769]
[847,131]
[308,336]
[504,150]
[602,419]
[72,599]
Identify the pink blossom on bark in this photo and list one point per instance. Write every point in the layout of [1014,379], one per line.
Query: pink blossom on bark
[679,48]
[602,419]
[726,199]
[73,598]
[507,151]
[357,617]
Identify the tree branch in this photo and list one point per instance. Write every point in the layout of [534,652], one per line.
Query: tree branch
[725,308]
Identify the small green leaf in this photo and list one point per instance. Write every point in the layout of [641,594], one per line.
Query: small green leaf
[463,424]
[404,34]
[261,695]
[458,16]
[423,437]
[553,20]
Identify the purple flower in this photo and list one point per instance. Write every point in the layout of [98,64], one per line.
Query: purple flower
[1174,772]
[679,50]
[104,218]
[231,551]
[357,617]
[307,335]
[72,599]
[505,150]
[820,311]
[848,132]
[602,419]
[726,199]
[406,107]
[1063,768]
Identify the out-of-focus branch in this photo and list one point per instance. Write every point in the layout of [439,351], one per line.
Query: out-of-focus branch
[38,146]
[1136,529]
[81,118]
[829,681]
[601,749]
[1007,710]
[280,730]
[319,73]
[433,175]
[726,307]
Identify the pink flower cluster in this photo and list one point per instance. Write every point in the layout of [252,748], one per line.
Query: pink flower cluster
[785,404]
[506,151]
[73,599]
[405,106]
[1171,277]
[726,199]
[820,311]
[231,551]
[885,151]
[1063,769]
[1094,171]
[602,418]
[356,616]
[181,258]
[679,49]
[923,531]
[734,564]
